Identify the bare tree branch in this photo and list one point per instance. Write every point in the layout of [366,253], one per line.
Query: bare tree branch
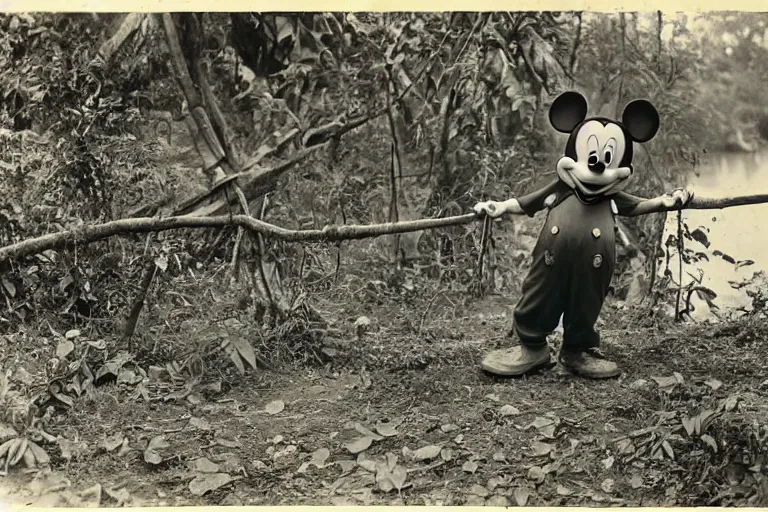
[331,233]
[700,203]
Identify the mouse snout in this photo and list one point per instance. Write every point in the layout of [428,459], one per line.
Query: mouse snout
[597,167]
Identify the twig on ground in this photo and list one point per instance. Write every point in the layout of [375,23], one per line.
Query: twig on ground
[429,305]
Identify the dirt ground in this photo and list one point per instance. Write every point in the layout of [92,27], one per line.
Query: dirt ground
[403,415]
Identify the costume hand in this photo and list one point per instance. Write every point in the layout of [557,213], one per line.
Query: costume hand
[678,197]
[491,208]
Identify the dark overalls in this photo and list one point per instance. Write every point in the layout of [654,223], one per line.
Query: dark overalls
[572,268]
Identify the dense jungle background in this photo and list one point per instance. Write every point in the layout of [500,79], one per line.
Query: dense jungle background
[218,367]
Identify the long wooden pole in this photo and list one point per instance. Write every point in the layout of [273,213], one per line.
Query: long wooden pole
[331,233]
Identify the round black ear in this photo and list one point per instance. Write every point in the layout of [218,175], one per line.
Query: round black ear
[567,111]
[641,120]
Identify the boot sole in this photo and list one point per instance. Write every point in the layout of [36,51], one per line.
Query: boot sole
[498,372]
[592,376]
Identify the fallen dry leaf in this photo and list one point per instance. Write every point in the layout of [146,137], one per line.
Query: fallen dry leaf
[552,467]
[367,432]
[668,449]
[540,449]
[152,453]
[391,460]
[390,480]
[319,457]
[64,348]
[121,496]
[7,432]
[386,429]
[274,407]
[204,465]
[346,465]
[474,501]
[227,443]
[479,490]
[288,450]
[497,481]
[426,453]
[563,491]
[91,496]
[666,384]
[548,432]
[540,422]
[449,427]
[689,424]
[607,485]
[710,441]
[199,423]
[536,474]
[730,403]
[521,495]
[509,410]
[626,446]
[359,445]
[204,483]
[469,466]
[497,501]
[367,463]
[636,481]
[713,383]
[112,442]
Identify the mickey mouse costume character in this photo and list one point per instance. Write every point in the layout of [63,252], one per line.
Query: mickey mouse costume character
[574,257]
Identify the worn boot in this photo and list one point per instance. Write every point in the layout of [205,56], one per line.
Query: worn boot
[590,363]
[516,361]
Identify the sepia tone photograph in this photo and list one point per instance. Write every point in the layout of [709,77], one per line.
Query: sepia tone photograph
[502,258]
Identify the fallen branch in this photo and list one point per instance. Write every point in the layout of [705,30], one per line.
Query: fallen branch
[331,233]
[88,234]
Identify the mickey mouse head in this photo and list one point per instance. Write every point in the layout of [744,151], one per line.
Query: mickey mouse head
[598,154]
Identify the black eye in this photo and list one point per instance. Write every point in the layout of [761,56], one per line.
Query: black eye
[607,157]
[592,158]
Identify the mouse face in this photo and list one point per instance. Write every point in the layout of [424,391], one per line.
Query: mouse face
[598,154]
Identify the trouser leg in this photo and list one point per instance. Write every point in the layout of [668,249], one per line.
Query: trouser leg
[538,311]
[583,303]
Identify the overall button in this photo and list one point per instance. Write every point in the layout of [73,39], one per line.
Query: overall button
[596,233]
[555,230]
[597,261]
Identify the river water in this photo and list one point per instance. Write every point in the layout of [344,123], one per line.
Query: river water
[740,232]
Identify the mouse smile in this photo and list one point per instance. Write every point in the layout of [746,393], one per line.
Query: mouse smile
[591,189]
